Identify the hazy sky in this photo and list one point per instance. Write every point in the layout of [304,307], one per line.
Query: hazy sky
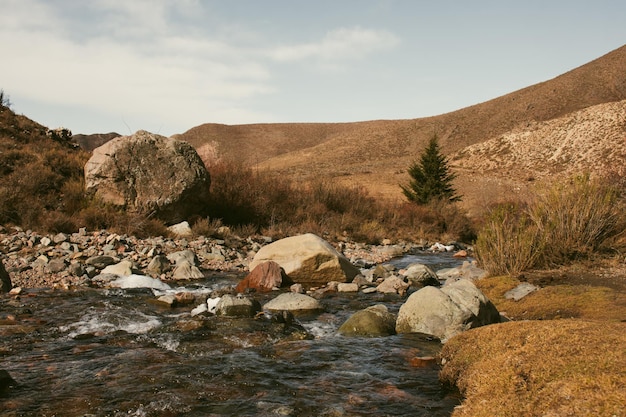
[167,66]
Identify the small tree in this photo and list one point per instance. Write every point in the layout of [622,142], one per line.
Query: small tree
[431,178]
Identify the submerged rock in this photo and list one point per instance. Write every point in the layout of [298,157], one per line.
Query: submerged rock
[374,321]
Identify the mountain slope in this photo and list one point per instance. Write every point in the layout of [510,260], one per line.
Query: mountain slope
[376,153]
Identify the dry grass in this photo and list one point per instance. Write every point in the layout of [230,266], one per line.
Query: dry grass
[557,301]
[563,355]
[539,368]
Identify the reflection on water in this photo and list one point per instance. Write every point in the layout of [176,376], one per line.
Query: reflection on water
[116,353]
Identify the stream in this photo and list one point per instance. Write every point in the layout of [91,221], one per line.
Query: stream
[113,352]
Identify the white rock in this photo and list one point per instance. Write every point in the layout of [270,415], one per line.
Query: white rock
[212,303]
[139,281]
[181,229]
[199,310]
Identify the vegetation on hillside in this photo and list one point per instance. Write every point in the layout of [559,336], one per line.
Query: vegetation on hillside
[278,206]
[42,188]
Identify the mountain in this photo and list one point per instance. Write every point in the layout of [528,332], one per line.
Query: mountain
[376,154]
[91,142]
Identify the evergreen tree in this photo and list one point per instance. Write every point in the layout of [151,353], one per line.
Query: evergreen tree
[431,178]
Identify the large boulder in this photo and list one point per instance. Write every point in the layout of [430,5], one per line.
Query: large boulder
[374,321]
[5,280]
[149,173]
[307,259]
[447,311]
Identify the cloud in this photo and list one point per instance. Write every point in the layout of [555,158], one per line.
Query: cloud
[155,59]
[133,59]
[338,45]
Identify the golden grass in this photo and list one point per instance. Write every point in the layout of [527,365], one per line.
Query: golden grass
[539,368]
[558,301]
[563,355]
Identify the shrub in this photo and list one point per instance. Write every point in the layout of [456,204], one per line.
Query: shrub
[575,219]
[563,223]
[509,242]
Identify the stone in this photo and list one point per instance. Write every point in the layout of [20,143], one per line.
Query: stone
[236,306]
[307,259]
[149,173]
[104,280]
[5,280]
[56,265]
[181,229]
[139,281]
[468,270]
[374,321]
[168,300]
[122,268]
[185,270]
[521,291]
[158,265]
[421,275]
[212,303]
[183,256]
[102,261]
[347,287]
[393,285]
[265,277]
[297,288]
[446,312]
[60,237]
[184,298]
[293,302]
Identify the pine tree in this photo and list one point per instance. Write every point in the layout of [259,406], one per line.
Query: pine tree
[431,178]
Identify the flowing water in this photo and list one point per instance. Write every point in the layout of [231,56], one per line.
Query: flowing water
[117,353]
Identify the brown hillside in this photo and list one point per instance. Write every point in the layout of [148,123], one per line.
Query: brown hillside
[376,153]
[91,142]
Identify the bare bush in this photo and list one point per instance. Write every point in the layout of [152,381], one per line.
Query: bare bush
[575,219]
[563,223]
[509,242]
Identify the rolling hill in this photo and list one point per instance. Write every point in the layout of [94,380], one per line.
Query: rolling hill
[376,153]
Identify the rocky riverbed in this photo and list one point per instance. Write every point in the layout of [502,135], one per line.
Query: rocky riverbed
[64,261]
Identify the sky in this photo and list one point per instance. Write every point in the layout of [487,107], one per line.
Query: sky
[98,66]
